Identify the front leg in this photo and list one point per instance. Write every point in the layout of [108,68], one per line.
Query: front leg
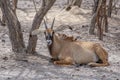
[67,61]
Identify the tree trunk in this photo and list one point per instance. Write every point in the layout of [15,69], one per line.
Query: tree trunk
[105,21]
[46,5]
[110,8]
[92,25]
[14,4]
[99,19]
[93,20]
[95,6]
[15,33]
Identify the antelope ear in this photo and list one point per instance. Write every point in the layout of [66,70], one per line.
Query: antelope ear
[36,32]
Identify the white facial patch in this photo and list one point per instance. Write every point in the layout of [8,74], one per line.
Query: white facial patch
[49,42]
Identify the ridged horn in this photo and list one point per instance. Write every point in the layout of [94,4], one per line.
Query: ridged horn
[52,23]
[45,24]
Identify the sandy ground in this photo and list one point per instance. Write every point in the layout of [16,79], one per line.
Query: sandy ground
[38,67]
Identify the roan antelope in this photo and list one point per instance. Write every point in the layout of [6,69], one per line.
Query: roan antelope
[65,50]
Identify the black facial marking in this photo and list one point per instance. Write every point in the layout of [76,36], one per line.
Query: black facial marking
[49,37]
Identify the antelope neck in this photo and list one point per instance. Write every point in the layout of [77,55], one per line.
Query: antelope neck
[50,46]
[55,40]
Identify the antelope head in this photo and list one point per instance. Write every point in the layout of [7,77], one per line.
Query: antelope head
[49,32]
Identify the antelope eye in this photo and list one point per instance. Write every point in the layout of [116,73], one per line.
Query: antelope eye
[53,32]
[44,32]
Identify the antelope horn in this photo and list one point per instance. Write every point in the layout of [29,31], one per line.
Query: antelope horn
[45,24]
[52,23]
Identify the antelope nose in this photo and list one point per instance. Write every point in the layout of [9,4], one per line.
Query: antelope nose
[49,42]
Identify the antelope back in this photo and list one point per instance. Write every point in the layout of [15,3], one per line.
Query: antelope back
[66,38]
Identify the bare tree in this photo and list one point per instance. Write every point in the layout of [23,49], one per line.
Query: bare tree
[110,8]
[46,5]
[14,4]
[93,20]
[95,6]
[99,19]
[15,33]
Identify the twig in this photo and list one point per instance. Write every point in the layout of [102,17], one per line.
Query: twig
[35,6]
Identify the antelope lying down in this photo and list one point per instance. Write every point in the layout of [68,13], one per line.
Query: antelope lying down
[65,50]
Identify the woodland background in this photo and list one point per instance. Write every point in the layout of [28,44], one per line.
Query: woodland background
[74,22]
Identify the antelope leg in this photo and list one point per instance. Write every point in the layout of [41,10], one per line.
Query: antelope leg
[93,64]
[67,61]
[103,56]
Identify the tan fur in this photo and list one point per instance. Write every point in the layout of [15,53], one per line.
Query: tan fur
[67,51]
[78,52]
[67,38]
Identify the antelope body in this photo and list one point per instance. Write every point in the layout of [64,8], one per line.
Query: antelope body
[67,51]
